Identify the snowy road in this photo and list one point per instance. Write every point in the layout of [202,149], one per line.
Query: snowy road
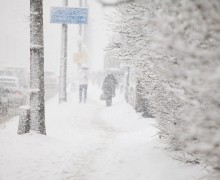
[89,142]
[11,113]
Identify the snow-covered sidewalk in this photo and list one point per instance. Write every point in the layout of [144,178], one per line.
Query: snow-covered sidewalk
[89,142]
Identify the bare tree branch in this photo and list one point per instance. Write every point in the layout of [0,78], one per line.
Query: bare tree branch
[112,4]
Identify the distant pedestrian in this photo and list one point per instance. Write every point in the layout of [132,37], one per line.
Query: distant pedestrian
[83,83]
[108,87]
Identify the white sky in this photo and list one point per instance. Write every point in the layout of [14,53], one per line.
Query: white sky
[14,35]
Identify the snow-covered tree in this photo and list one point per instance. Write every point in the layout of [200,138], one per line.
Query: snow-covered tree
[173,47]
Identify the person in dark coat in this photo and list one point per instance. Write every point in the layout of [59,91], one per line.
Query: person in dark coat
[108,87]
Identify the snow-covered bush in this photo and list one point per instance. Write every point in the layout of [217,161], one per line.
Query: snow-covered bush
[173,45]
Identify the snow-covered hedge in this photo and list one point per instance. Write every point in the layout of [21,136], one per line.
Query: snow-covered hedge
[174,46]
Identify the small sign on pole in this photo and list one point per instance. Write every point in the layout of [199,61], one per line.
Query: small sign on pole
[80,58]
[66,15]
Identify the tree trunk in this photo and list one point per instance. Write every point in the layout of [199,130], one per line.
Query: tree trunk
[37,111]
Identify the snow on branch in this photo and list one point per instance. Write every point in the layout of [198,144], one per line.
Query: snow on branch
[35,46]
[114,3]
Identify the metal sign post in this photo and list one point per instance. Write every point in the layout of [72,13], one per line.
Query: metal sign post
[64,16]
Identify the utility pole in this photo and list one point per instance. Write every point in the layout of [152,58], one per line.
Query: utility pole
[80,29]
[63,61]
[37,104]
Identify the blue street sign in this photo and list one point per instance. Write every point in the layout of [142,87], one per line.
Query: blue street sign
[65,15]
